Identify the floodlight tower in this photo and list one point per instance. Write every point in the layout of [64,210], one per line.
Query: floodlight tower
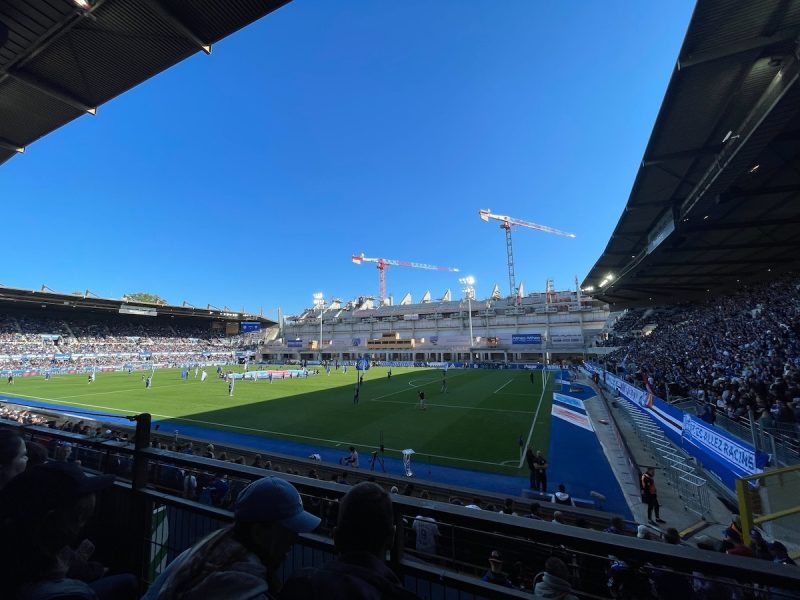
[469,292]
[319,302]
[505,224]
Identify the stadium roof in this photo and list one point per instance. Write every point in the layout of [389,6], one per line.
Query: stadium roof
[716,200]
[34,299]
[60,59]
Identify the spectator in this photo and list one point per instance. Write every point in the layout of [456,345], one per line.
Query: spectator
[241,560]
[555,581]
[535,512]
[13,455]
[43,511]
[617,526]
[561,496]
[426,532]
[37,454]
[363,534]
[495,573]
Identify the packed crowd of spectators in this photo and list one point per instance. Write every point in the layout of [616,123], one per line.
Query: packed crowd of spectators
[523,564]
[39,343]
[736,353]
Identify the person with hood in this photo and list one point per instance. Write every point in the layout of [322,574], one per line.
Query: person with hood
[555,581]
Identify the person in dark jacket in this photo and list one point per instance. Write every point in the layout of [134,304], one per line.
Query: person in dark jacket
[241,560]
[495,573]
[363,534]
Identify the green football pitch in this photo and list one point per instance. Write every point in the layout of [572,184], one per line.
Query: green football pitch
[476,424]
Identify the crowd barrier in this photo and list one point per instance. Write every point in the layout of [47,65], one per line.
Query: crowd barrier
[159,524]
[719,452]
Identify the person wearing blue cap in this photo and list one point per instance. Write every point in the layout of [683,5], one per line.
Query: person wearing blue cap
[240,561]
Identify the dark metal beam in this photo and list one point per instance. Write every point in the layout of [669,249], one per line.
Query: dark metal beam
[713,225]
[757,43]
[742,246]
[708,276]
[737,193]
[179,26]
[699,263]
[53,91]
[693,153]
[9,145]
[752,135]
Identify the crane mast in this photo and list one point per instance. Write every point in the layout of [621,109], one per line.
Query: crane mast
[505,224]
[382,263]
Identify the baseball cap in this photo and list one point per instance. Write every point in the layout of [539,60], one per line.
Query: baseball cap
[271,500]
[641,532]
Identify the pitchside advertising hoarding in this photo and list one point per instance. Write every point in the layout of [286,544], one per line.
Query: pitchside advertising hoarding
[718,451]
[294,343]
[248,326]
[526,338]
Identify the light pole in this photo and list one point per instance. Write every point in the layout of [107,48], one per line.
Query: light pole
[319,302]
[469,291]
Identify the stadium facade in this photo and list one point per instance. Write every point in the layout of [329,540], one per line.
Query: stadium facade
[550,325]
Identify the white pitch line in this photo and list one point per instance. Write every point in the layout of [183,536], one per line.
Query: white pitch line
[536,416]
[276,433]
[461,406]
[504,385]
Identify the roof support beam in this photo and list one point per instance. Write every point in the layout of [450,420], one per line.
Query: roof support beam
[8,145]
[179,26]
[699,263]
[734,247]
[712,225]
[765,191]
[746,145]
[693,153]
[757,43]
[52,91]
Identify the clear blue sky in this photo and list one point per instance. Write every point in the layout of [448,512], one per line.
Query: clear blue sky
[249,177]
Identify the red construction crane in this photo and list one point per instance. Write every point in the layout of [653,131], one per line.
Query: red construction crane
[382,263]
[506,223]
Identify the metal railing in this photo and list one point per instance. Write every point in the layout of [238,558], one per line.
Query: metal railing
[681,471]
[130,521]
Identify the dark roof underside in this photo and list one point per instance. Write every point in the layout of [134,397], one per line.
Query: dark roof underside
[58,62]
[722,165]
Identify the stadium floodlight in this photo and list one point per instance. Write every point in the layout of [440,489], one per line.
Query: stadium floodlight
[83,4]
[469,291]
[319,302]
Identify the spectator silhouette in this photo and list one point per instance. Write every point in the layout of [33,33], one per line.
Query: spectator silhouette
[363,534]
[13,455]
[555,581]
[43,510]
[241,560]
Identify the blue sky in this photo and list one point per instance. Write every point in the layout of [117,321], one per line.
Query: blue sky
[250,177]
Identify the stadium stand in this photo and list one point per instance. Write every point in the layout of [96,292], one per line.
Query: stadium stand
[152,490]
[735,356]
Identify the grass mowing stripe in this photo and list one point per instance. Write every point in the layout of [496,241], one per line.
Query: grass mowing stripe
[501,410]
[273,433]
